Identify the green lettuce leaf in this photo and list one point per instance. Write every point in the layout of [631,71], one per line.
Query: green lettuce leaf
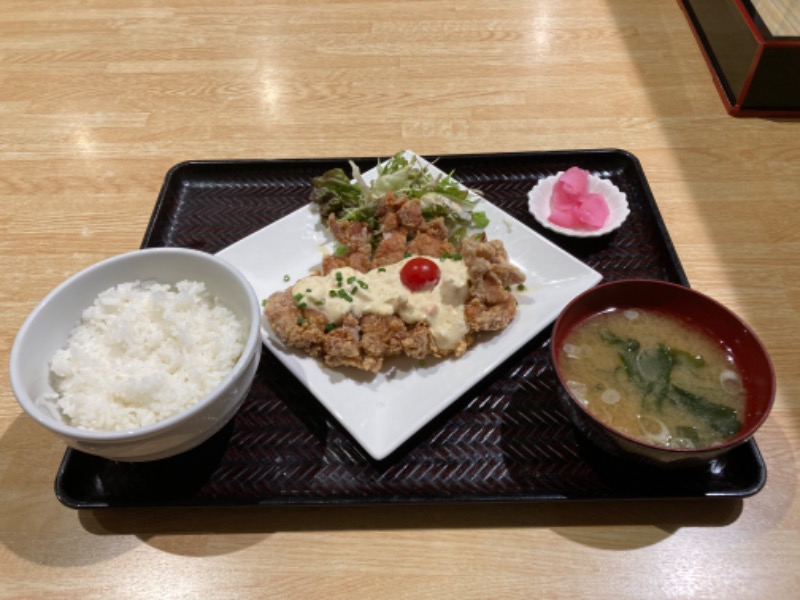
[351,198]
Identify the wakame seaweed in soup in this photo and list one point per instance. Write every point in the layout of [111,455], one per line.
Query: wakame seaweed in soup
[654,377]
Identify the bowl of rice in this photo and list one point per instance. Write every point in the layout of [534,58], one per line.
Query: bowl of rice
[141,356]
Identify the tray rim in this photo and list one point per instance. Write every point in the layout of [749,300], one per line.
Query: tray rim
[310,501]
[176,171]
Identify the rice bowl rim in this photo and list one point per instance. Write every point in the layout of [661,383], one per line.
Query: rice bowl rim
[251,345]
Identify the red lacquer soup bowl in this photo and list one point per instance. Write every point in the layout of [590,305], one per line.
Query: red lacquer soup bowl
[699,311]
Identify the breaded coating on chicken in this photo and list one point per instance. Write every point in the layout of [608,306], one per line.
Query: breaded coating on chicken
[365,341]
[491,306]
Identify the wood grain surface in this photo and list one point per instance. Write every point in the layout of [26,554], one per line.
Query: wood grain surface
[99,98]
[782,17]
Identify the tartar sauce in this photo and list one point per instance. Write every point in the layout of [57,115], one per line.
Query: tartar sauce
[381,292]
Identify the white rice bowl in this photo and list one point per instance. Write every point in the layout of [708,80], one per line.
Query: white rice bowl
[137,389]
[143,352]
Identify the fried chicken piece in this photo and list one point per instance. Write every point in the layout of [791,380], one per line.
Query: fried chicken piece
[391,249]
[353,234]
[417,343]
[300,328]
[382,335]
[356,237]
[425,238]
[343,347]
[386,212]
[436,228]
[410,215]
[425,244]
[491,305]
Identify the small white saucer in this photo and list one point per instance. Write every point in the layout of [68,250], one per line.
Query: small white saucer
[618,210]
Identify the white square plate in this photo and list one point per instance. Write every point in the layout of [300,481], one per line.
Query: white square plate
[384,410]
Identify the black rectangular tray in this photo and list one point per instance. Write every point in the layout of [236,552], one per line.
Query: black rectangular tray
[506,439]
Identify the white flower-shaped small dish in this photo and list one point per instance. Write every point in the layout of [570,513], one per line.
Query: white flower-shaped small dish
[618,210]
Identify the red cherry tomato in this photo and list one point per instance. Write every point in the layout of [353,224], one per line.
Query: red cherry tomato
[420,274]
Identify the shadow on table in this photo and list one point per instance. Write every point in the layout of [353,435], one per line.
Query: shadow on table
[658,519]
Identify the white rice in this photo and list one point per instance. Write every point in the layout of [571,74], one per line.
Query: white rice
[143,352]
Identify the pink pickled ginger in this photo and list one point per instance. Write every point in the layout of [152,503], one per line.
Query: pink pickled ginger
[572,206]
[572,184]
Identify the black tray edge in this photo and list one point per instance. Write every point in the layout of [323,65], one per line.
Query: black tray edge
[79,504]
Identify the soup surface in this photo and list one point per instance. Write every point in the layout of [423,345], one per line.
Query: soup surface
[654,377]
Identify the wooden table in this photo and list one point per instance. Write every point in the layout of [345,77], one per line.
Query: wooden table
[99,98]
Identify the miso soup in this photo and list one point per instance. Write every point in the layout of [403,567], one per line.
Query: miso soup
[654,377]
